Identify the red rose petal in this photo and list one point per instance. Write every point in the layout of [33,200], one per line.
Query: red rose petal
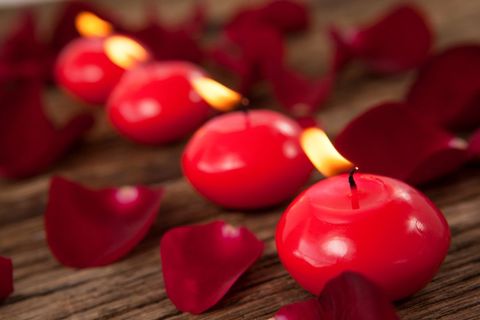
[252,48]
[352,296]
[177,43]
[36,143]
[169,44]
[201,262]
[64,29]
[348,296]
[250,51]
[305,310]
[443,97]
[301,96]
[89,228]
[474,144]
[388,140]
[22,55]
[399,41]
[6,278]
[284,16]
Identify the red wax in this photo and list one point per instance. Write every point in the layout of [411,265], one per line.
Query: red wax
[247,160]
[155,103]
[396,237]
[84,70]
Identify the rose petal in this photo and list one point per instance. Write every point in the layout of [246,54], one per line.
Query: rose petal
[299,95]
[88,228]
[352,296]
[286,16]
[305,310]
[388,140]
[6,277]
[348,296]
[441,96]
[283,15]
[169,44]
[177,43]
[29,142]
[398,41]
[474,144]
[201,262]
[22,55]
[64,29]
[252,48]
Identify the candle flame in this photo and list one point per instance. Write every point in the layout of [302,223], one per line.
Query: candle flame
[90,25]
[124,51]
[216,94]
[321,152]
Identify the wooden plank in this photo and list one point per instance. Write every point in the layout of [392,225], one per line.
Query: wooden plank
[133,287]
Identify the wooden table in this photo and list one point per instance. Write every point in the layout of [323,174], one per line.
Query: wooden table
[133,287]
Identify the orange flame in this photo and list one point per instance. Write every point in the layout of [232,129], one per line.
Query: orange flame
[216,94]
[124,51]
[321,152]
[90,25]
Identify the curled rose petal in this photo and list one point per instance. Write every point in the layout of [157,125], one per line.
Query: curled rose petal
[348,296]
[37,143]
[200,263]
[6,278]
[89,228]
[443,97]
[390,141]
[398,41]
[474,144]
[305,310]
[22,55]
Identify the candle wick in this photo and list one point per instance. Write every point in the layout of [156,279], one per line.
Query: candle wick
[351,179]
[353,188]
[244,107]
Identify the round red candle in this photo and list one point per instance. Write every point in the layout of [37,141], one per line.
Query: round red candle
[84,70]
[155,103]
[247,160]
[385,230]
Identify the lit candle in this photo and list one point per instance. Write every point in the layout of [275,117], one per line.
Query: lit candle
[244,160]
[377,226]
[88,67]
[155,103]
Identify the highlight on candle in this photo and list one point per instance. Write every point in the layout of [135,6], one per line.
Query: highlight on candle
[124,51]
[90,25]
[321,152]
[216,94]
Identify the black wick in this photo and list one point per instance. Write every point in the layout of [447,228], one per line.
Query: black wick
[353,187]
[351,179]
[244,105]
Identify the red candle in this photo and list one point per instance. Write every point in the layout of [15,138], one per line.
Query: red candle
[84,70]
[377,226]
[155,103]
[247,160]
[90,67]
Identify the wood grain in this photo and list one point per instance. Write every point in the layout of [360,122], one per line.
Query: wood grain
[133,287]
